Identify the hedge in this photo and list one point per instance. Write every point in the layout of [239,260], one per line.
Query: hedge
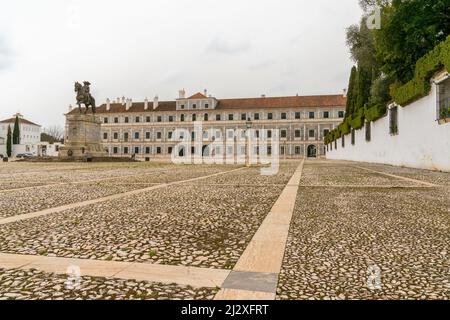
[426,67]
[375,112]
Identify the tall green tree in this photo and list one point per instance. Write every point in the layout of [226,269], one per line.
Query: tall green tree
[351,97]
[9,142]
[16,131]
[409,30]
[363,86]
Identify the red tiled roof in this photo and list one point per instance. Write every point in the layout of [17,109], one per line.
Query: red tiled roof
[21,120]
[198,95]
[231,104]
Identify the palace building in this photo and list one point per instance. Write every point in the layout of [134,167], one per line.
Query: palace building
[146,130]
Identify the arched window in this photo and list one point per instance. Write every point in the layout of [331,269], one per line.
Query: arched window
[205,117]
[194,117]
[182,118]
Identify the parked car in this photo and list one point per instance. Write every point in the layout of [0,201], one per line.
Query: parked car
[24,155]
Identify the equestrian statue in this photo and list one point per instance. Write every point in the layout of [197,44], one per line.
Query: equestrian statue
[84,96]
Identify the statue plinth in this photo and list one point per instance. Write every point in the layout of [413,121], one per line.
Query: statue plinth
[83,138]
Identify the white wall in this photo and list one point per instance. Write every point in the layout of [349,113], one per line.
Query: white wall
[421,142]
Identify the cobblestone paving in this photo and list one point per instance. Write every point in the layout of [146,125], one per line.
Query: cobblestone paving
[32,284]
[36,199]
[339,236]
[180,225]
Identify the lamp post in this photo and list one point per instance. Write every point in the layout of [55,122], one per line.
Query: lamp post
[249,125]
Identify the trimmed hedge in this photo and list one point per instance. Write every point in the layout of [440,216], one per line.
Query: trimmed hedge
[375,112]
[426,67]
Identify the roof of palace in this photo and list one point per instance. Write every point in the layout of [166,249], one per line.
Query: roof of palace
[233,104]
[21,120]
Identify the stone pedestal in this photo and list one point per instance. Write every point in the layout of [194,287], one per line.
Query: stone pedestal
[83,138]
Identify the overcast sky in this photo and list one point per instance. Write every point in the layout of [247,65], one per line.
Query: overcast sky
[233,48]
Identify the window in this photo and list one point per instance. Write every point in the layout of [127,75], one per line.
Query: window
[353,137]
[105,135]
[326,114]
[127,120]
[283,116]
[193,135]
[217,117]
[269,133]
[297,115]
[147,119]
[194,106]
[297,133]
[158,150]
[270,116]
[206,106]
[170,118]
[257,133]
[368,131]
[125,136]
[206,117]
[312,133]
[147,150]
[158,135]
[159,119]
[105,120]
[169,150]
[393,120]
[125,150]
[443,97]
[194,117]
[115,135]
[116,120]
[136,135]
[136,150]
[312,115]
[230,117]
[343,141]
[298,150]
[115,150]
[243,116]
[283,133]
[325,132]
[182,106]
[147,135]
[256,116]
[282,150]
[341,114]
[335,144]
[137,119]
[182,118]
[269,150]
[169,135]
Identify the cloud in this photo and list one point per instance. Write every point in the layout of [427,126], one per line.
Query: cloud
[6,54]
[222,46]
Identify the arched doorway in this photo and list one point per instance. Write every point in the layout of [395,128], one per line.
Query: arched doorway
[312,151]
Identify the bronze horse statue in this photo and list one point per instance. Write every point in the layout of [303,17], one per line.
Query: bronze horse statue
[84,96]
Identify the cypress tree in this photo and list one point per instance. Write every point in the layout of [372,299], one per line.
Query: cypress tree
[351,93]
[363,85]
[16,132]
[9,142]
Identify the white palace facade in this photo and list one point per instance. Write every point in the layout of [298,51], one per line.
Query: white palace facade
[146,130]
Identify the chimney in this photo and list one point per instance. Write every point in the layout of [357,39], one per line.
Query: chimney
[155,102]
[344,93]
[123,100]
[108,104]
[181,94]
[128,104]
[145,103]
[205,92]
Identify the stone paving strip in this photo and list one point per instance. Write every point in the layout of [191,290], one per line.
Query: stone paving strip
[190,276]
[428,184]
[367,243]
[332,175]
[19,284]
[61,197]
[255,275]
[434,177]
[199,226]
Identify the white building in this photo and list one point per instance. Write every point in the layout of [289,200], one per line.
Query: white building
[147,129]
[47,149]
[30,135]
[416,135]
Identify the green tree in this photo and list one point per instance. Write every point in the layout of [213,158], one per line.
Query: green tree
[16,132]
[409,30]
[9,142]
[361,42]
[351,97]
[363,85]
